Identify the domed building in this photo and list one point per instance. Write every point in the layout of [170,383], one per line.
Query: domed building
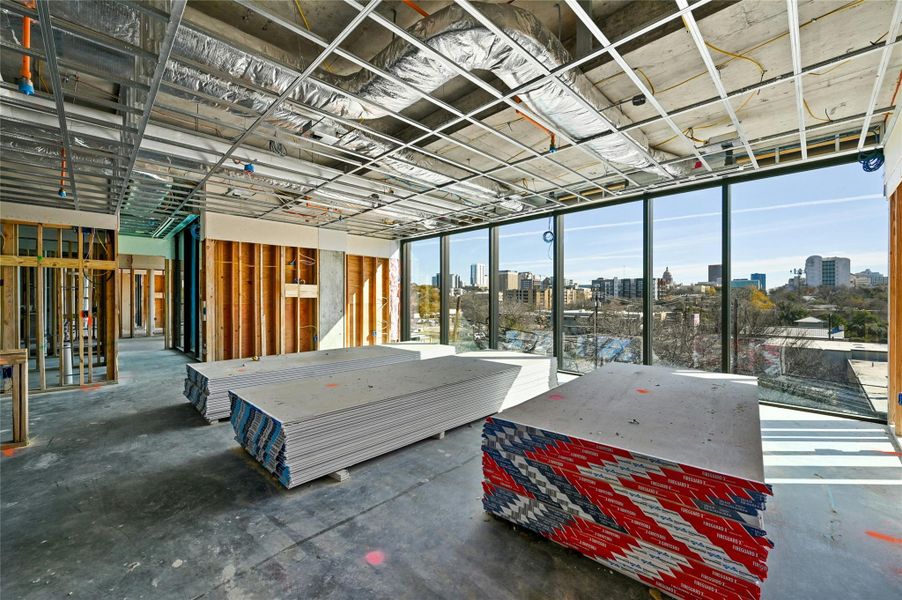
[666,278]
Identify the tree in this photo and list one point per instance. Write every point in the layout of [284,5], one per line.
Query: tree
[789,312]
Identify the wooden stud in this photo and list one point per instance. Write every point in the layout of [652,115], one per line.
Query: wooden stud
[40,333]
[209,299]
[131,299]
[147,302]
[18,360]
[280,280]
[257,303]
[61,307]
[9,309]
[894,391]
[366,298]
[298,346]
[219,303]
[167,310]
[240,314]
[236,300]
[78,308]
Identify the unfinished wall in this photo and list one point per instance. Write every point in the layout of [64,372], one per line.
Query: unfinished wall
[60,297]
[260,299]
[367,301]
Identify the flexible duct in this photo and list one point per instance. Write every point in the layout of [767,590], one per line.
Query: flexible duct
[451,32]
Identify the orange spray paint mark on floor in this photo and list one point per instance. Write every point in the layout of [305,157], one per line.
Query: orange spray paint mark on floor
[9,452]
[331,385]
[642,390]
[90,388]
[884,537]
[555,397]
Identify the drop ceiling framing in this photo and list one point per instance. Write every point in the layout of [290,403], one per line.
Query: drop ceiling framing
[727,88]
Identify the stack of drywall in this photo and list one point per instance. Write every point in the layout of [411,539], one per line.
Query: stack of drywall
[537,373]
[653,472]
[304,430]
[207,384]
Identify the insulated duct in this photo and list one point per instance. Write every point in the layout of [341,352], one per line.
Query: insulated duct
[452,32]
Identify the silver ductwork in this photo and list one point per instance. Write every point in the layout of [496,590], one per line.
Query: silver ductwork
[452,32]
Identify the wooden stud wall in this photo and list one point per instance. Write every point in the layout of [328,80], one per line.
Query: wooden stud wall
[68,289]
[894,396]
[366,301]
[260,299]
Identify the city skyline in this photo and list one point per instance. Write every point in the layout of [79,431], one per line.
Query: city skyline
[777,224]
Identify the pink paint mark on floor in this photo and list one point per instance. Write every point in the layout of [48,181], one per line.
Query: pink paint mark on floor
[375,557]
[555,397]
[642,391]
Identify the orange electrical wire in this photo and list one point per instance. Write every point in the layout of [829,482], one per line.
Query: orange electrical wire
[534,122]
[416,7]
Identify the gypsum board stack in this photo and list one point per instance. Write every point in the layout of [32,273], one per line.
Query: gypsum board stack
[300,431]
[207,384]
[538,373]
[653,472]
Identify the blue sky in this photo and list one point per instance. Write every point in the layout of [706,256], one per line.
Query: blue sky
[777,223]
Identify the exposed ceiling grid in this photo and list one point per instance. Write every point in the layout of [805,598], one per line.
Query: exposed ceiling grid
[134,106]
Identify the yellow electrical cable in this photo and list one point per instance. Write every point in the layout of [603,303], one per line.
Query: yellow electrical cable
[842,8]
[647,80]
[737,55]
[303,17]
[814,116]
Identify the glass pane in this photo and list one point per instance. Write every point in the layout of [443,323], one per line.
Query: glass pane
[469,290]
[815,329]
[50,243]
[602,287]
[424,291]
[687,254]
[28,240]
[525,270]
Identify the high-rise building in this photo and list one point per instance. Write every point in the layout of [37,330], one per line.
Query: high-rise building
[437,280]
[715,273]
[529,281]
[830,271]
[508,280]
[761,278]
[629,287]
[479,275]
[454,281]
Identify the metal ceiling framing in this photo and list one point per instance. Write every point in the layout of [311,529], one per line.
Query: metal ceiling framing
[43,7]
[699,41]
[881,71]
[596,32]
[307,192]
[177,9]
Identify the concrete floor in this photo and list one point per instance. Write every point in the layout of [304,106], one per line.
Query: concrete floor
[127,493]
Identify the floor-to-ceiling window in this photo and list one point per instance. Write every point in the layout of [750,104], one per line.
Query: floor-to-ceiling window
[425,290]
[525,270]
[809,262]
[602,317]
[687,281]
[468,290]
